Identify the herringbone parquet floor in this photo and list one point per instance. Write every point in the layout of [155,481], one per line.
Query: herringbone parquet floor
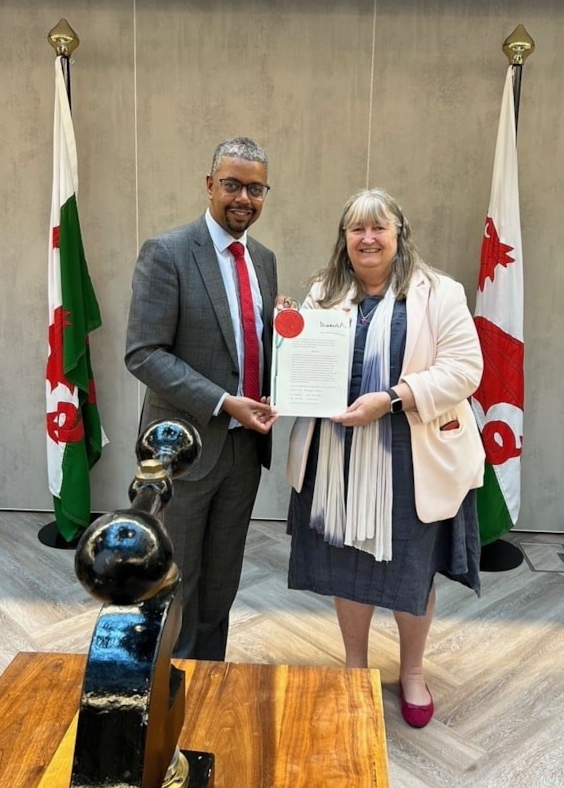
[494,664]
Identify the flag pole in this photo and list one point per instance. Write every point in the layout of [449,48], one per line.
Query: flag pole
[501,555]
[64,41]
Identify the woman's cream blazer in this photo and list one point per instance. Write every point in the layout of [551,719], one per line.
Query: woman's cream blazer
[442,365]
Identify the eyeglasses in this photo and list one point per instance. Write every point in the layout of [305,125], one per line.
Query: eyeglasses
[256,191]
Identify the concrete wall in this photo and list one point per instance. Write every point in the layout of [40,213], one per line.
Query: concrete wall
[404,95]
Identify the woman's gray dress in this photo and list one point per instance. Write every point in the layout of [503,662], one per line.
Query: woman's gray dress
[419,550]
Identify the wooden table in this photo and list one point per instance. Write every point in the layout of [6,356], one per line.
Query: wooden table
[269,726]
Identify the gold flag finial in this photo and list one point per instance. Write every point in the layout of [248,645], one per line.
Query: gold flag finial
[63,39]
[518,46]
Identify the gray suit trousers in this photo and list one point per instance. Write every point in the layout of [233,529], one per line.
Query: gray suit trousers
[208,521]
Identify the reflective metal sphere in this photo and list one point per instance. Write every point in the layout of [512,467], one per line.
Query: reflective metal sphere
[123,557]
[175,442]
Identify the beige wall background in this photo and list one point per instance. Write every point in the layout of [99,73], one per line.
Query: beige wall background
[403,94]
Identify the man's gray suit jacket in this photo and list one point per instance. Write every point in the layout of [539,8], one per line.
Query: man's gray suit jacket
[180,339]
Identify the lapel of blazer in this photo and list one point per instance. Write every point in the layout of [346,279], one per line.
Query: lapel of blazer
[352,310]
[416,308]
[260,271]
[206,260]
[265,284]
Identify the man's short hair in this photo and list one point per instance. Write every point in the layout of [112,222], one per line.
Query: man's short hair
[238,148]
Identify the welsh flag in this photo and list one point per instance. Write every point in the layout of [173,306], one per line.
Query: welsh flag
[498,402]
[74,433]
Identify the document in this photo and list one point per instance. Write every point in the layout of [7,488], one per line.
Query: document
[310,362]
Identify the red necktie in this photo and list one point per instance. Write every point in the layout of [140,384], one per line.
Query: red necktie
[251,386]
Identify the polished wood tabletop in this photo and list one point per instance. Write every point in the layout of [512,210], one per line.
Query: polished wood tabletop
[269,726]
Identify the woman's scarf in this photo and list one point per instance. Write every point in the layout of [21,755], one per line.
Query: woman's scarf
[366,520]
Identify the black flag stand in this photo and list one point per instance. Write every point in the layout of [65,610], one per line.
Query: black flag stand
[49,536]
[501,555]
[64,41]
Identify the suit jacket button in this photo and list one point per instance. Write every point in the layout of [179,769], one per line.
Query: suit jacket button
[235,373]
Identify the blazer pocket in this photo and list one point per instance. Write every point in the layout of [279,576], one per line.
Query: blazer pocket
[448,423]
[446,464]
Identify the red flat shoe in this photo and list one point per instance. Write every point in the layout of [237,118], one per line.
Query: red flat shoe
[414,715]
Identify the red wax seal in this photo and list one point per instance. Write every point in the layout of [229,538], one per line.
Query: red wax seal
[288,323]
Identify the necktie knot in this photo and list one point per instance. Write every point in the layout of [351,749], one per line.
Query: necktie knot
[237,250]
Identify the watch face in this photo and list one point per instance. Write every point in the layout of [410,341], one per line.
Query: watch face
[396,405]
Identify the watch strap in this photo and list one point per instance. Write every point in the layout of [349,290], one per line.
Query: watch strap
[396,404]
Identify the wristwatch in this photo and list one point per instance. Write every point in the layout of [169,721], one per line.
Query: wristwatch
[396,404]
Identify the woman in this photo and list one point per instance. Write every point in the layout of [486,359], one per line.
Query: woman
[384,494]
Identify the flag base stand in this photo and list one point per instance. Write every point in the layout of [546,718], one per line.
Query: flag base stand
[499,556]
[49,535]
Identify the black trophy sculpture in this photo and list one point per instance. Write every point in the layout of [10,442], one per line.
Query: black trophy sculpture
[132,704]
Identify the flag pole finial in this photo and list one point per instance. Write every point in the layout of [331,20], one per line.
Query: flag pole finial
[518,46]
[63,38]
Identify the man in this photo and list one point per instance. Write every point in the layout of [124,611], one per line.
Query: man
[196,338]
